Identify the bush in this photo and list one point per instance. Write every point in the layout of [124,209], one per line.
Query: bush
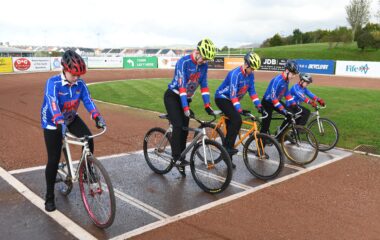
[365,40]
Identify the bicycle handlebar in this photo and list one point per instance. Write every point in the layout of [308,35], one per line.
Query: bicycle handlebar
[70,135]
[320,107]
[202,121]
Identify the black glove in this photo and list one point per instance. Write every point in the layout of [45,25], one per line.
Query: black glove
[245,112]
[260,109]
[100,123]
[209,110]
[289,115]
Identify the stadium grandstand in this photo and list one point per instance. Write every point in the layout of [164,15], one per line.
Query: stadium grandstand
[6,51]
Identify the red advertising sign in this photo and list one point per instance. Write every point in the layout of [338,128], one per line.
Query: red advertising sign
[22,64]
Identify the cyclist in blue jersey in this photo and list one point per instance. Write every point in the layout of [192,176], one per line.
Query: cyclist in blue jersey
[190,72]
[231,91]
[62,97]
[278,88]
[301,94]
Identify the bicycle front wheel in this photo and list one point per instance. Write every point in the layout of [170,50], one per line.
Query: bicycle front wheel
[299,145]
[263,156]
[97,192]
[214,134]
[210,175]
[157,150]
[326,133]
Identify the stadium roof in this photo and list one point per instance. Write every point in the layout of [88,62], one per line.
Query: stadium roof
[4,49]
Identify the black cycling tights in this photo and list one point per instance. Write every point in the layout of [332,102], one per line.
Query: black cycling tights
[53,142]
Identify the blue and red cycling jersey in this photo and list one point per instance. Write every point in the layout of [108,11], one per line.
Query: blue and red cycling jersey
[187,76]
[236,85]
[62,99]
[301,94]
[278,88]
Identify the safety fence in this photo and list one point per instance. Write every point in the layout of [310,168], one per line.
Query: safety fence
[330,67]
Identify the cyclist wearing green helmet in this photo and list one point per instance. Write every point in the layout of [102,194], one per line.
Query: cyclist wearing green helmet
[190,72]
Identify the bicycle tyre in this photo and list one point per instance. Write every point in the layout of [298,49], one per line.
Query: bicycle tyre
[303,143]
[269,162]
[99,184]
[212,135]
[160,160]
[202,172]
[66,184]
[326,141]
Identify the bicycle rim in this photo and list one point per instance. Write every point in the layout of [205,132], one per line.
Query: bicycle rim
[299,145]
[326,134]
[97,193]
[263,156]
[213,177]
[214,134]
[157,151]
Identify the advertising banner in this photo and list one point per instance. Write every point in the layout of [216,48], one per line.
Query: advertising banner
[218,63]
[6,65]
[316,66]
[31,64]
[231,63]
[358,69]
[140,62]
[105,62]
[167,62]
[272,64]
[55,63]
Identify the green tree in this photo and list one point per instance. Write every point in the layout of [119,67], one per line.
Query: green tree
[365,40]
[297,36]
[358,14]
[275,40]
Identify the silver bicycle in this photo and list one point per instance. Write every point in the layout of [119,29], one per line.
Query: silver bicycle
[94,183]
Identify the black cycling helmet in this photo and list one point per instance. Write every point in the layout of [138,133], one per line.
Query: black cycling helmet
[306,77]
[73,63]
[292,66]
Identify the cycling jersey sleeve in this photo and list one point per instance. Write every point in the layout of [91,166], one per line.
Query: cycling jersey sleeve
[234,92]
[182,78]
[289,98]
[252,93]
[51,95]
[204,90]
[311,95]
[273,96]
[88,102]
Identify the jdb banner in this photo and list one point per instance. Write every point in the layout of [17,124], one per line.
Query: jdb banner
[31,64]
[218,63]
[272,64]
[6,65]
[140,62]
[360,69]
[316,66]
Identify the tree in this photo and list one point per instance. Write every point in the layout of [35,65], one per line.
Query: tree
[275,40]
[297,35]
[365,40]
[225,49]
[358,14]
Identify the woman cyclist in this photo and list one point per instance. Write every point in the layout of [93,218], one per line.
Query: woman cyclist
[301,94]
[62,97]
[278,87]
[190,71]
[231,91]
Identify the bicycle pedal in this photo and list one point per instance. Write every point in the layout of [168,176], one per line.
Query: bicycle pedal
[210,166]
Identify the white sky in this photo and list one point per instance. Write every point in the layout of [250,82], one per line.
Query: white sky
[139,23]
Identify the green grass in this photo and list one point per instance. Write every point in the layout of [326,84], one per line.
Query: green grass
[343,51]
[355,111]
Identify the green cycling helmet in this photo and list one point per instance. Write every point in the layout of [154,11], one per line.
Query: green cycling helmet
[207,49]
[252,60]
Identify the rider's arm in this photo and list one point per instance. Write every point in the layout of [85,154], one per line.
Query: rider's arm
[277,86]
[51,95]
[252,93]
[182,79]
[234,91]
[87,100]
[311,95]
[204,89]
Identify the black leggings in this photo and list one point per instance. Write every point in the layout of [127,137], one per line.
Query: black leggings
[233,123]
[178,119]
[53,142]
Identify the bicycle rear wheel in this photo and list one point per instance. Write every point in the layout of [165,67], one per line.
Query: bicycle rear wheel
[97,192]
[263,156]
[64,183]
[299,145]
[157,150]
[210,175]
[326,133]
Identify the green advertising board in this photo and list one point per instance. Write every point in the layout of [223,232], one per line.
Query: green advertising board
[140,62]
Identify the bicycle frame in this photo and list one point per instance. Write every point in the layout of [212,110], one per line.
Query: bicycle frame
[317,116]
[70,139]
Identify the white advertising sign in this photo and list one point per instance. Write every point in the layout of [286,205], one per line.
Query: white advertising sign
[357,69]
[55,63]
[167,62]
[105,62]
[31,64]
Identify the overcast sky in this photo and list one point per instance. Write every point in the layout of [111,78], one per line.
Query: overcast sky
[139,23]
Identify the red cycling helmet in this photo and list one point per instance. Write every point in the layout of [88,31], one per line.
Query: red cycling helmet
[73,63]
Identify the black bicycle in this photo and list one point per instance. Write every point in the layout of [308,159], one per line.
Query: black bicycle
[210,164]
